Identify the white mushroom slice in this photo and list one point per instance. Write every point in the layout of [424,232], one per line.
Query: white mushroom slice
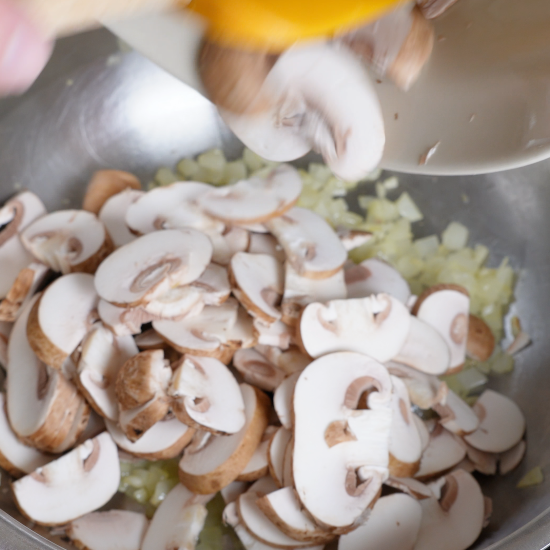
[301,291]
[424,349]
[405,443]
[232,492]
[234,239]
[255,200]
[455,520]
[290,361]
[177,522]
[68,241]
[264,243]
[350,445]
[377,326]
[102,355]
[41,403]
[446,308]
[61,318]
[122,321]
[222,459]
[283,398]
[353,238]
[277,334]
[5,330]
[172,207]
[423,431]
[257,466]
[206,396]
[484,463]
[456,415]
[257,370]
[243,334]
[141,386]
[412,487]
[77,427]
[77,483]
[443,452]
[166,439]
[288,464]
[511,458]
[113,216]
[112,530]
[312,247]
[176,303]
[393,524]
[105,184]
[149,340]
[276,454]
[15,216]
[146,268]
[501,423]
[213,285]
[259,283]
[93,428]
[374,276]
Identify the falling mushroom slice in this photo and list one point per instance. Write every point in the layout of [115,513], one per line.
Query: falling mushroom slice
[374,276]
[312,247]
[501,423]
[264,243]
[511,458]
[222,459]
[205,395]
[480,343]
[330,427]
[376,326]
[146,268]
[113,216]
[456,415]
[123,321]
[106,184]
[62,316]
[276,454]
[257,466]
[255,200]
[454,521]
[443,452]
[283,398]
[257,370]
[49,496]
[112,530]
[393,524]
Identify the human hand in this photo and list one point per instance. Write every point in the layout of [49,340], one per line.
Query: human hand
[23,50]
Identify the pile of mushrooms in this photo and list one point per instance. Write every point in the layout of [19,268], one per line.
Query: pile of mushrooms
[226,327]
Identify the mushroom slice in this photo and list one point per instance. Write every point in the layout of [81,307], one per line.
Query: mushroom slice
[113,216]
[15,216]
[73,485]
[276,454]
[258,283]
[68,241]
[289,361]
[283,398]
[146,268]
[264,243]
[277,334]
[377,326]
[405,443]
[232,492]
[480,343]
[501,423]
[446,308]
[456,415]
[149,339]
[484,463]
[393,523]
[233,239]
[141,386]
[61,318]
[122,321]
[27,282]
[222,459]
[374,276]
[424,349]
[443,452]
[257,466]
[102,355]
[5,330]
[106,184]
[454,521]
[353,238]
[206,396]
[312,247]
[511,458]
[350,445]
[434,8]
[112,530]
[255,200]
[177,522]
[213,285]
[301,291]
[411,486]
[176,303]
[166,439]
[257,370]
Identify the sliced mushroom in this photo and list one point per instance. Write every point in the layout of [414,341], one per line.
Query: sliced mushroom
[456,415]
[353,238]
[213,285]
[93,428]
[122,321]
[277,334]
[443,452]
[113,216]
[176,303]
[501,423]
[377,326]
[434,8]
[312,247]
[141,386]
[112,530]
[232,492]
[257,370]
[276,454]
[264,243]
[15,216]
[73,485]
[423,431]
[146,268]
[257,466]
[480,343]
[150,339]
[106,184]
[454,521]
[102,355]
[410,486]
[393,524]
[511,458]
[27,282]
[206,396]
[234,239]
[61,318]
[5,330]
[288,464]
[243,333]
[222,459]
[283,398]
[484,463]
[255,200]
[350,445]
[77,428]
[424,349]
[289,361]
